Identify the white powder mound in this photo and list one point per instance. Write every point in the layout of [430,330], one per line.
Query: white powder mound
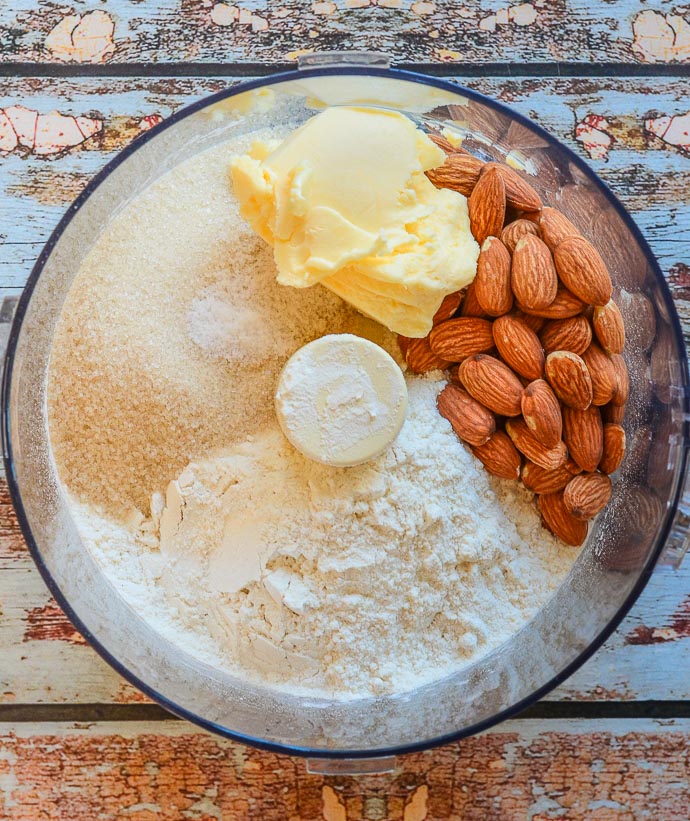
[369,579]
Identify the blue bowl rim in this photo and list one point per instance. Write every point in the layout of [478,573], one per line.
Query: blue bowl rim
[15,493]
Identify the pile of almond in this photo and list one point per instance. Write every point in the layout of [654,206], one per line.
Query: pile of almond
[533,347]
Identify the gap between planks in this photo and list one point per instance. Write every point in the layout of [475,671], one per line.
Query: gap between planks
[248,70]
[543,711]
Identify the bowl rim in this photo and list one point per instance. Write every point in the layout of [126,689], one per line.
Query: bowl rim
[15,492]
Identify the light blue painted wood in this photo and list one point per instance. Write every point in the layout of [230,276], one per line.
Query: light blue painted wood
[165,31]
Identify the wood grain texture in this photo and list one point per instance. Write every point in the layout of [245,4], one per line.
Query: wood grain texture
[579,31]
[541,770]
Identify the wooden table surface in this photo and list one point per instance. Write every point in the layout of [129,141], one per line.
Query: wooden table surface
[608,78]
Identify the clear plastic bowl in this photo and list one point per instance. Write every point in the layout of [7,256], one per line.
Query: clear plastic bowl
[610,572]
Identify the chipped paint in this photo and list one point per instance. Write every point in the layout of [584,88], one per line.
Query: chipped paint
[223,14]
[673,131]
[592,132]
[661,38]
[43,134]
[85,39]
[50,623]
[524,14]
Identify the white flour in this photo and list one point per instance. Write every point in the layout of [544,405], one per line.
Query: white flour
[316,579]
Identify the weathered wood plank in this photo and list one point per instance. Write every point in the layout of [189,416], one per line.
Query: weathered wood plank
[606,771]
[650,174]
[46,662]
[579,31]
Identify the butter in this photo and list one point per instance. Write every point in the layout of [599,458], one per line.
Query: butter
[344,201]
[341,400]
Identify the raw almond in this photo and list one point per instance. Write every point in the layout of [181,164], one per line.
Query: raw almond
[613,414]
[460,172]
[457,339]
[403,344]
[620,397]
[519,346]
[492,282]
[470,306]
[567,374]
[487,206]
[536,323]
[538,480]
[441,142]
[583,433]
[586,495]
[559,520]
[526,442]
[609,327]
[565,304]
[448,307]
[542,413]
[472,422]
[582,270]
[602,373]
[499,456]
[420,358]
[573,334]
[519,193]
[555,227]
[533,274]
[492,384]
[614,448]
[572,467]
[516,230]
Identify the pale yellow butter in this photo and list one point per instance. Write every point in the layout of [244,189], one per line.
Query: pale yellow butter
[344,201]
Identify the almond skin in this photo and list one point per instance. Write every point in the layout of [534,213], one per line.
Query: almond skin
[613,414]
[533,274]
[614,448]
[573,334]
[472,422]
[602,373]
[565,304]
[609,327]
[583,433]
[558,519]
[441,142]
[622,392]
[516,230]
[499,456]
[555,227]
[519,346]
[542,413]
[525,441]
[470,306]
[519,193]
[586,495]
[492,282]
[536,323]
[538,480]
[492,384]
[420,358]
[487,206]
[567,374]
[582,270]
[460,172]
[448,307]
[456,339]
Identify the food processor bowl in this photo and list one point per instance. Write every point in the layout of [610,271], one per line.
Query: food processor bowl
[647,511]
